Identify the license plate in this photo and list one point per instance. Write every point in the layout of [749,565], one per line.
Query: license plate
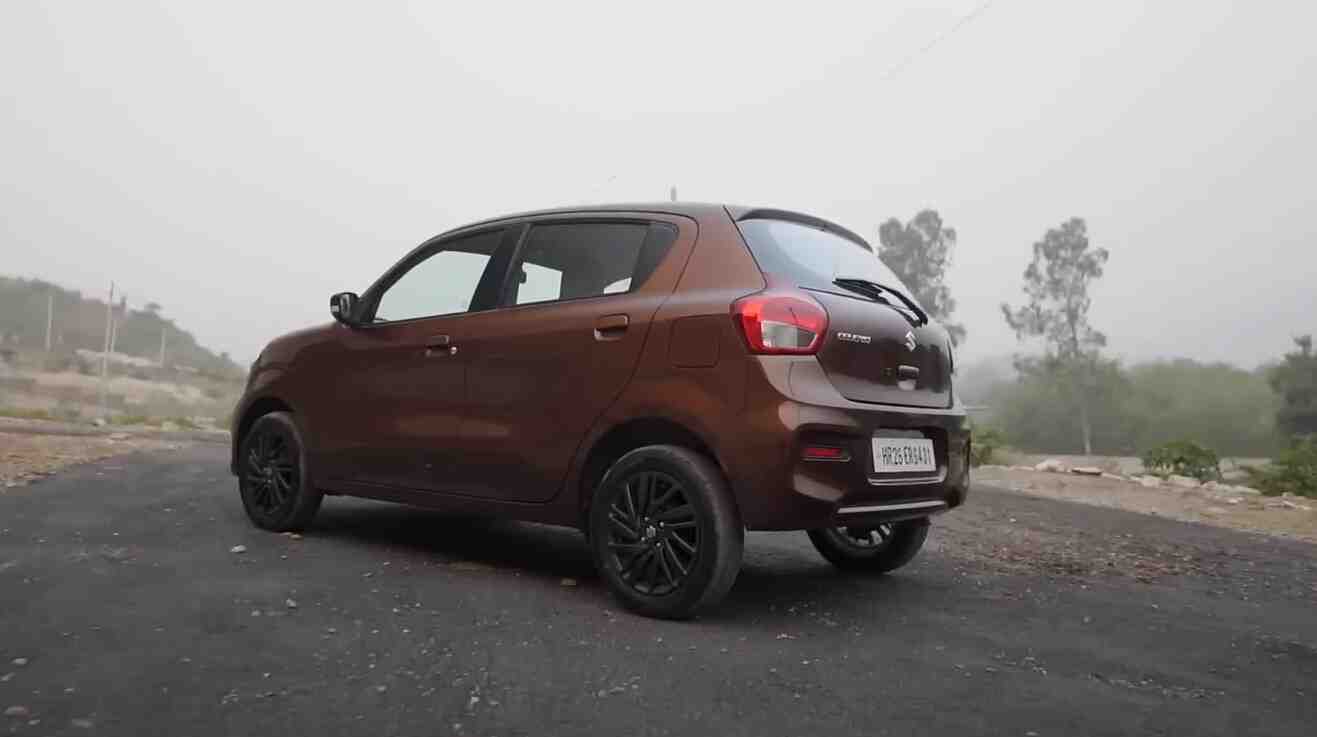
[896,455]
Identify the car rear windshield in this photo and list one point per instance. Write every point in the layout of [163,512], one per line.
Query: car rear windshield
[812,257]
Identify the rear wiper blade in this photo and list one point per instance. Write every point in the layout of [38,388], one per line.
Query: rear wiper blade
[880,292]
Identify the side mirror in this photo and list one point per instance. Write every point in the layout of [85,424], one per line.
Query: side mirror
[343,306]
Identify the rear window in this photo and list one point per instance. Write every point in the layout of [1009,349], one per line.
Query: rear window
[811,257]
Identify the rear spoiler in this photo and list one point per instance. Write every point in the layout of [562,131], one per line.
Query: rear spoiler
[767,213]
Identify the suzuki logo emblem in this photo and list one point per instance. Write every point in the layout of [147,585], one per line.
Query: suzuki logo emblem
[910,340]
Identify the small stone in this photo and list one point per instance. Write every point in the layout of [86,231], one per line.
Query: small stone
[1087,470]
[238,549]
[1152,482]
[20,662]
[17,711]
[6,677]
[381,688]
[568,582]
[1051,465]
[82,723]
[290,603]
[1182,481]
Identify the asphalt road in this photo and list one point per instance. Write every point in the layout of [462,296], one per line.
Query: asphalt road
[1025,617]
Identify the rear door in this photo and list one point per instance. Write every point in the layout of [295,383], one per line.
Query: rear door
[878,349]
[573,317]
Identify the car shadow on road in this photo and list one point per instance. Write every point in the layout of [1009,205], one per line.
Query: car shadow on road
[775,583]
[447,539]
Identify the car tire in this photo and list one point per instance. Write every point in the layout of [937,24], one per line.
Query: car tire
[273,477]
[665,533]
[876,549]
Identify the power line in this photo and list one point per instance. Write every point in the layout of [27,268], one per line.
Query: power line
[896,68]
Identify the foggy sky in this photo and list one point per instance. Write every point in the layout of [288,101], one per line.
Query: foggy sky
[238,162]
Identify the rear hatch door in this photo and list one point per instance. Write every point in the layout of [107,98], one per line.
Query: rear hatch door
[880,347]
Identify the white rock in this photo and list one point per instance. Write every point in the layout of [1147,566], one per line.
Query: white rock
[1087,470]
[1234,500]
[1151,482]
[238,549]
[20,662]
[17,711]
[290,603]
[1050,465]
[1184,481]
[1114,477]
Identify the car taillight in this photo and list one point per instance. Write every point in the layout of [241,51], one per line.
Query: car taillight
[781,322]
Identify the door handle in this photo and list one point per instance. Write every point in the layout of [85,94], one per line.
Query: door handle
[439,345]
[907,373]
[611,327]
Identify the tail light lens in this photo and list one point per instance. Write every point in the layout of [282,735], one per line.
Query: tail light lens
[781,322]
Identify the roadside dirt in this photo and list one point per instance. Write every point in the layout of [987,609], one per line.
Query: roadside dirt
[1290,517]
[25,457]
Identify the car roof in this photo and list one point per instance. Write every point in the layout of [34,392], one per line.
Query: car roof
[695,210]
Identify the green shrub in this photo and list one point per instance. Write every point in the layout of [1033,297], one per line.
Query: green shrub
[26,414]
[1294,470]
[1183,458]
[985,443]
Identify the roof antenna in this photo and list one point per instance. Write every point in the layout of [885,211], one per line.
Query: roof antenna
[673,193]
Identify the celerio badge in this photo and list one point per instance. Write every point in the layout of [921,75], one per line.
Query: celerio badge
[854,338]
[910,340]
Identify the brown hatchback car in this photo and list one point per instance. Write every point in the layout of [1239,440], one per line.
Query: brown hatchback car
[664,377]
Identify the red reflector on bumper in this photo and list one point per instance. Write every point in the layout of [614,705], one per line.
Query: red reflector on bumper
[824,453]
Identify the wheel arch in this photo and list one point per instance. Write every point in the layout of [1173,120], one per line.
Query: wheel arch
[626,436]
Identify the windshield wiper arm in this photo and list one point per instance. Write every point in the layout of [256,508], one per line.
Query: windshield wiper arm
[880,292]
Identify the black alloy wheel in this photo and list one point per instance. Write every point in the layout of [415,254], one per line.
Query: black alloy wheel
[665,532]
[272,475]
[270,472]
[652,535]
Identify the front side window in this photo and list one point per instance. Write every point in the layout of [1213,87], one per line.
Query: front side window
[575,260]
[443,283]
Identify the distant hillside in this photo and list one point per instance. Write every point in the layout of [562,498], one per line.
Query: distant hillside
[80,323]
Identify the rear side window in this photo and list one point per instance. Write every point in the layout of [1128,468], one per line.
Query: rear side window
[563,261]
[812,257]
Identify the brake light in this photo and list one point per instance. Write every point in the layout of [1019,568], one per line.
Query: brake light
[781,322]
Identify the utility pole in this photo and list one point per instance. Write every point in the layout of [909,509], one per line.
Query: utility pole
[673,193]
[50,316]
[162,346]
[114,324]
[105,354]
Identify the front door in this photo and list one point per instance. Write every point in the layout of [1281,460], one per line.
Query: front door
[402,373]
[561,347]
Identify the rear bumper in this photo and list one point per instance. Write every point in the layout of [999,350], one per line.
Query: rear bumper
[778,490]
